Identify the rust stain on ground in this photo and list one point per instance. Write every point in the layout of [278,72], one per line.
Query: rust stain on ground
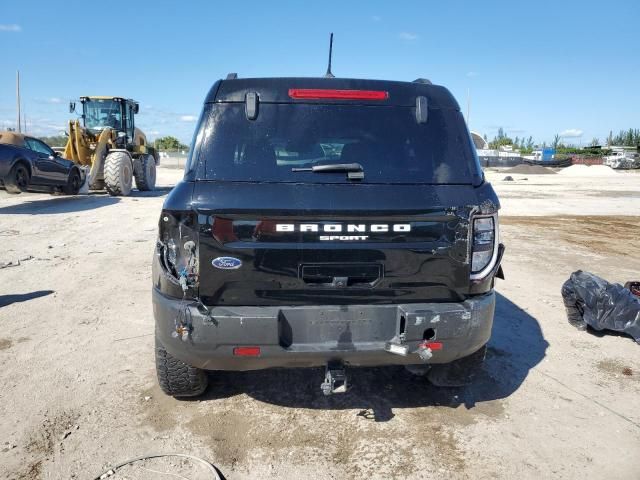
[160,411]
[33,471]
[617,369]
[43,439]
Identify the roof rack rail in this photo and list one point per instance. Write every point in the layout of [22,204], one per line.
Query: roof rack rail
[426,81]
[231,76]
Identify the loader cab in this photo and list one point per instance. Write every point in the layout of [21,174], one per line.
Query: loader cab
[118,113]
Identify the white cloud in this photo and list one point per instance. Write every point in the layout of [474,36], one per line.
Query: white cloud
[472,74]
[10,28]
[571,133]
[376,18]
[408,36]
[188,118]
[55,100]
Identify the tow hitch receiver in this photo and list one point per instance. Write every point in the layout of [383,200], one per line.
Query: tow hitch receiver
[335,379]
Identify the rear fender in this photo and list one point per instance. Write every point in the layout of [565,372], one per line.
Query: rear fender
[80,171]
[26,162]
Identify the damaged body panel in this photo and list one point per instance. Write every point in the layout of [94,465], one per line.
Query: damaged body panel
[429,259]
[311,336]
[386,253]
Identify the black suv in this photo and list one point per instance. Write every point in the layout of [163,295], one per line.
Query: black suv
[326,222]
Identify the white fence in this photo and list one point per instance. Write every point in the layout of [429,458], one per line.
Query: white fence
[173,159]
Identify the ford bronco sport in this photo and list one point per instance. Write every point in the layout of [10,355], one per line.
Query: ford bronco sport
[326,222]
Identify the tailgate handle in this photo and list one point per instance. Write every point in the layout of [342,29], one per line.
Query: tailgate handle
[340,282]
[340,276]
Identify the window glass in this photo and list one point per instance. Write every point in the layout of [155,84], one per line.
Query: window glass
[38,146]
[101,113]
[129,126]
[388,142]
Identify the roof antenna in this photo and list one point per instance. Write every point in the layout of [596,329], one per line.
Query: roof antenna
[329,74]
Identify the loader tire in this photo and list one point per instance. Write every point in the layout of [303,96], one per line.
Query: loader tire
[18,179]
[118,174]
[176,378]
[145,173]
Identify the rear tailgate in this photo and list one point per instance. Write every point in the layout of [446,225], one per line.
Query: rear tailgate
[332,244]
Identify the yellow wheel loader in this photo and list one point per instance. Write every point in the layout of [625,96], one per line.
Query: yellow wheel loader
[105,139]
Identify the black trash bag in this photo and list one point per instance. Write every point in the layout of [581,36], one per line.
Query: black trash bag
[590,300]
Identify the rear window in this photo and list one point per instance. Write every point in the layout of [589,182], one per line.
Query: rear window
[386,140]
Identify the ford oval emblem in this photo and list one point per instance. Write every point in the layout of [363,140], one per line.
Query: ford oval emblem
[226,263]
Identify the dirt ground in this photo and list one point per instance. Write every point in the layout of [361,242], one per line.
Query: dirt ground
[78,390]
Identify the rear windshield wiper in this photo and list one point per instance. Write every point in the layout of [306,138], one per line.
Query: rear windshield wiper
[354,170]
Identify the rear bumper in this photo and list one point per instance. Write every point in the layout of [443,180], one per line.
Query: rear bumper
[308,336]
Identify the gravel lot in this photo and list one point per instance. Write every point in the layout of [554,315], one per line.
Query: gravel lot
[78,389]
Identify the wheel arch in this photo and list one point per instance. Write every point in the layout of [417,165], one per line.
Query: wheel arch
[26,162]
[77,169]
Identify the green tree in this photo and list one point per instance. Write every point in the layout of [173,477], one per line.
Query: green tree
[55,140]
[501,139]
[529,145]
[169,143]
[556,142]
[594,142]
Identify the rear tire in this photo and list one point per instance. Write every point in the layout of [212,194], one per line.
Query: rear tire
[18,179]
[145,173]
[458,373]
[74,183]
[118,174]
[176,378]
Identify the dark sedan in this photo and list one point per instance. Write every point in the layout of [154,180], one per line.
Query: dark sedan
[27,163]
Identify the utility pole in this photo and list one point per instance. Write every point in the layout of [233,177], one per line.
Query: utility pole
[19,122]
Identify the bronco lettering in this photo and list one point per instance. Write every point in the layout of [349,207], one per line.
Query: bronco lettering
[338,228]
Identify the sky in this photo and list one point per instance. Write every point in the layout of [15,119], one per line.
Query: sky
[536,68]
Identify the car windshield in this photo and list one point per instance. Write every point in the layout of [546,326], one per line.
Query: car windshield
[387,141]
[99,114]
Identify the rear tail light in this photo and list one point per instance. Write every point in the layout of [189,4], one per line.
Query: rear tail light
[246,351]
[178,248]
[326,94]
[484,238]
[432,345]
